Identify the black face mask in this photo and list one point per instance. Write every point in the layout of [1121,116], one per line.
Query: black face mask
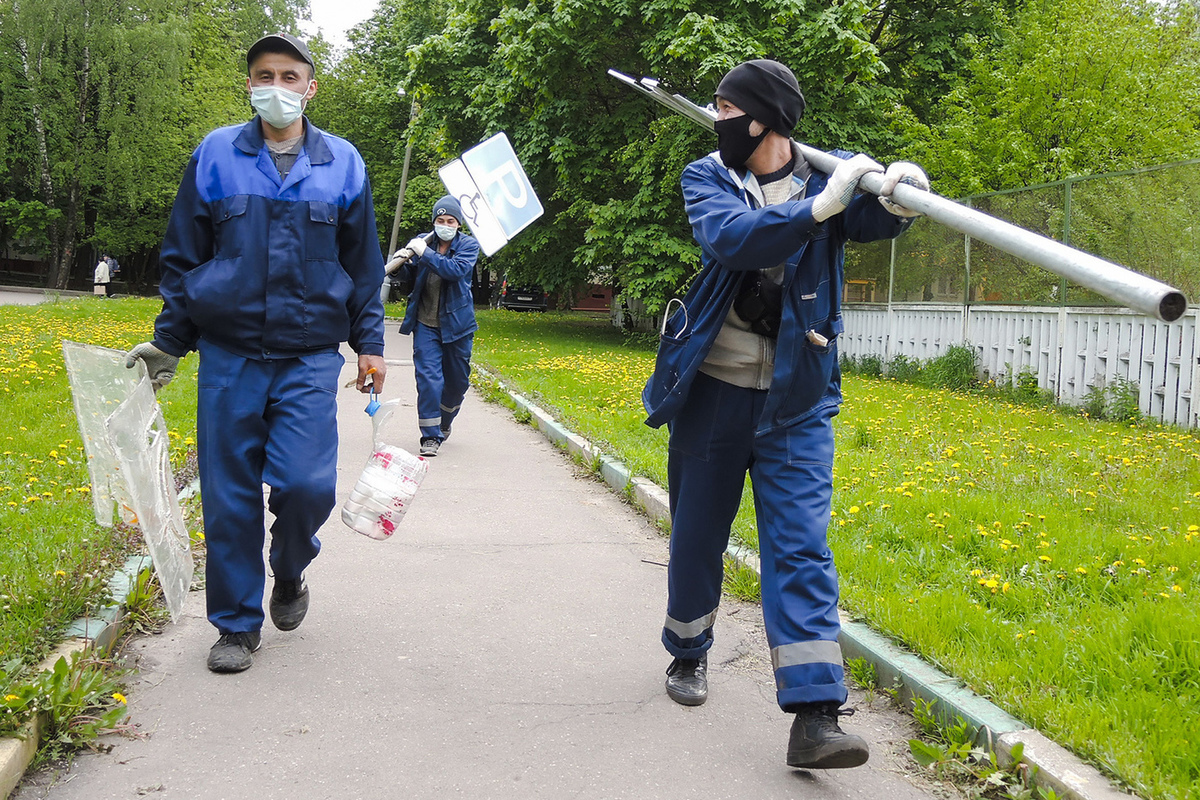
[735,142]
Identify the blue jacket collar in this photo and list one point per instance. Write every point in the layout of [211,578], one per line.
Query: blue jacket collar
[250,140]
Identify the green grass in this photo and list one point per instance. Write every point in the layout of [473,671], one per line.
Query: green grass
[1050,561]
[54,558]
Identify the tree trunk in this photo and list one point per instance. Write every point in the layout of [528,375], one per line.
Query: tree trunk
[45,182]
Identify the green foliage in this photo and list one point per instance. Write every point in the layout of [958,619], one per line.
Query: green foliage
[902,368]
[741,582]
[144,610]
[951,754]
[1078,86]
[100,107]
[78,699]
[864,676]
[957,369]
[1119,401]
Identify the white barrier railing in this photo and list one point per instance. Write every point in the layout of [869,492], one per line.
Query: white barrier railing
[1071,349]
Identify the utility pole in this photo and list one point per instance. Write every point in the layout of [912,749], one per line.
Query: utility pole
[412,114]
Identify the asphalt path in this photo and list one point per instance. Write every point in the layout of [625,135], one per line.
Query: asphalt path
[503,644]
[19,298]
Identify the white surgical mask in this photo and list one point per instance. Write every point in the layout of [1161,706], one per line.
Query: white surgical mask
[445,232]
[277,106]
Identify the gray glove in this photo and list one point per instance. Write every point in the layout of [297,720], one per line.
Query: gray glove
[160,366]
[902,172]
[842,184]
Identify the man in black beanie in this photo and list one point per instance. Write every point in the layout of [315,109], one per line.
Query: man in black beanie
[747,379]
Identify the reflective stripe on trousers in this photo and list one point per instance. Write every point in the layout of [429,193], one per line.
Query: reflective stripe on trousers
[443,372]
[712,447]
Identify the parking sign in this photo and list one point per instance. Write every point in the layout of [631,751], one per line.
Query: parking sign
[496,196]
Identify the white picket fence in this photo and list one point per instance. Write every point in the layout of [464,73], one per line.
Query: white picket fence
[1070,349]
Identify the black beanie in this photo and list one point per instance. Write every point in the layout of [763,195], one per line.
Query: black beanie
[767,91]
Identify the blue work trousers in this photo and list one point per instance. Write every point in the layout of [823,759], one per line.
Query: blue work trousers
[443,372]
[712,445]
[272,422]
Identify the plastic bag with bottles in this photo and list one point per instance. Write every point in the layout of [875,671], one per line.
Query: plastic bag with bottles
[388,482]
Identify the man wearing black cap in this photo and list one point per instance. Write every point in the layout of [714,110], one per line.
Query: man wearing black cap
[441,319]
[270,261]
[747,379]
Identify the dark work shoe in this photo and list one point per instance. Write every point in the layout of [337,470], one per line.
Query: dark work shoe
[817,742]
[289,603]
[429,446]
[233,651]
[687,680]
[444,433]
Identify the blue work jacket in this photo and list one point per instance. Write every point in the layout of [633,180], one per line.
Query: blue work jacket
[267,268]
[456,309]
[737,234]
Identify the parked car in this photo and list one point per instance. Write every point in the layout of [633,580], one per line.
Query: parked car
[522,298]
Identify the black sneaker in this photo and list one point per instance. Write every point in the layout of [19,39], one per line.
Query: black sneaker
[817,742]
[233,651]
[430,445]
[289,603]
[687,680]
[444,433]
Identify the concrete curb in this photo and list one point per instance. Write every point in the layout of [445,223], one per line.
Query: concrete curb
[99,632]
[1051,766]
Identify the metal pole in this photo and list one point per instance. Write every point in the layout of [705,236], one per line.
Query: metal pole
[412,114]
[1115,282]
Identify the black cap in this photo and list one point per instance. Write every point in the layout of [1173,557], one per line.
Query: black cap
[767,91]
[280,43]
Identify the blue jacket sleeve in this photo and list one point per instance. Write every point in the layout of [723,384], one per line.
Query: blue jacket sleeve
[737,236]
[187,244]
[361,258]
[454,266]
[866,220]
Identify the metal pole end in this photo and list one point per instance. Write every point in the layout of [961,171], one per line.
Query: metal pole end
[1172,306]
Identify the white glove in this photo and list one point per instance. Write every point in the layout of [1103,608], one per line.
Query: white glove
[417,245]
[842,184]
[398,260]
[160,366]
[902,172]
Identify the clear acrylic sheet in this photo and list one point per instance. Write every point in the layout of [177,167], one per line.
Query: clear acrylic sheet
[125,440]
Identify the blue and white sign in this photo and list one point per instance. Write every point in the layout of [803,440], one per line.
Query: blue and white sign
[496,196]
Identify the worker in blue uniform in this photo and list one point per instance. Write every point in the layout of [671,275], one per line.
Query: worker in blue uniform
[747,379]
[441,318]
[270,261]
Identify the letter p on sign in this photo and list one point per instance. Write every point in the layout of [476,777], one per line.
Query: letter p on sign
[497,198]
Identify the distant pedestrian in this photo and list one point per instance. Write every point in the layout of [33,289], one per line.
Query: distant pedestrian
[101,277]
[747,379]
[441,319]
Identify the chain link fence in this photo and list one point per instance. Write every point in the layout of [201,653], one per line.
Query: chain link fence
[1146,219]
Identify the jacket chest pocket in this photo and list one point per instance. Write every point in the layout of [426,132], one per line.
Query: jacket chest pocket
[229,223]
[321,236]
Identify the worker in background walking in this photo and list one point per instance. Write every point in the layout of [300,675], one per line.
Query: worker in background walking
[747,379]
[441,319]
[270,261]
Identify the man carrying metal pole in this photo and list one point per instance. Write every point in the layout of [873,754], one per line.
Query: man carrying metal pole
[747,379]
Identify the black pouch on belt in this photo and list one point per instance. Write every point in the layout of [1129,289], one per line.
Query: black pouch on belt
[760,303]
